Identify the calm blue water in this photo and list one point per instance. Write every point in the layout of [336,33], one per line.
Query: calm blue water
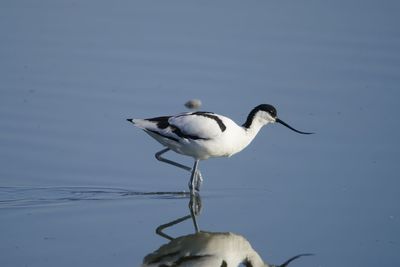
[76,180]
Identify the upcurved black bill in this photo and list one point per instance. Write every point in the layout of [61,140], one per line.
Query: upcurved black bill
[290,127]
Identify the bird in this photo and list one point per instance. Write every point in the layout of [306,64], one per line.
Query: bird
[203,135]
[209,249]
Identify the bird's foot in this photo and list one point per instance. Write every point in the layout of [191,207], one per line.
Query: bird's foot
[193,190]
[195,203]
[195,183]
[199,181]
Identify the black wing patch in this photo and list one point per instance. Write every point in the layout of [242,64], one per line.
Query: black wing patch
[165,136]
[211,116]
[181,134]
[162,122]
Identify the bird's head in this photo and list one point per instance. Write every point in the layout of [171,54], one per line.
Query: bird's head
[266,113]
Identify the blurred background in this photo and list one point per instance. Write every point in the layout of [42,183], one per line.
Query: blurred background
[74,175]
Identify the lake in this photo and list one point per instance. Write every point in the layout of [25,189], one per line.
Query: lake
[79,186]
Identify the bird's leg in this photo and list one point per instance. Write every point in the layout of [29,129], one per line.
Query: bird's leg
[199,180]
[186,168]
[158,157]
[195,208]
[195,178]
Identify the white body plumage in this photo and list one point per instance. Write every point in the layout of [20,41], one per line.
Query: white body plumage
[200,136]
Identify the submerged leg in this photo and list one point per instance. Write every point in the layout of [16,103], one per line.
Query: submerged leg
[195,208]
[195,178]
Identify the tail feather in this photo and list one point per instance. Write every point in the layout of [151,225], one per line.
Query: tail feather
[143,124]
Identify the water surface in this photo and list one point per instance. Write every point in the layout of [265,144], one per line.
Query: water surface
[78,184]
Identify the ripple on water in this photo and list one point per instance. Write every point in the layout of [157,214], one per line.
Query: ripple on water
[11,197]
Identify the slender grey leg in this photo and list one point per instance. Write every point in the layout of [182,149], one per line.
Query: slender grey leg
[158,157]
[193,184]
[198,179]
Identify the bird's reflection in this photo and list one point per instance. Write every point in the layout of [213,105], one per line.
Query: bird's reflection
[203,248]
[194,208]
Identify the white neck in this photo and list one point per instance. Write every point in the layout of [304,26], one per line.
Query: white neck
[254,128]
[241,137]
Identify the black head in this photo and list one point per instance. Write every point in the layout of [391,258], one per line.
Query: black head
[267,108]
[271,110]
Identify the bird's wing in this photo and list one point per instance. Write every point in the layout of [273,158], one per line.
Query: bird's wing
[197,125]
